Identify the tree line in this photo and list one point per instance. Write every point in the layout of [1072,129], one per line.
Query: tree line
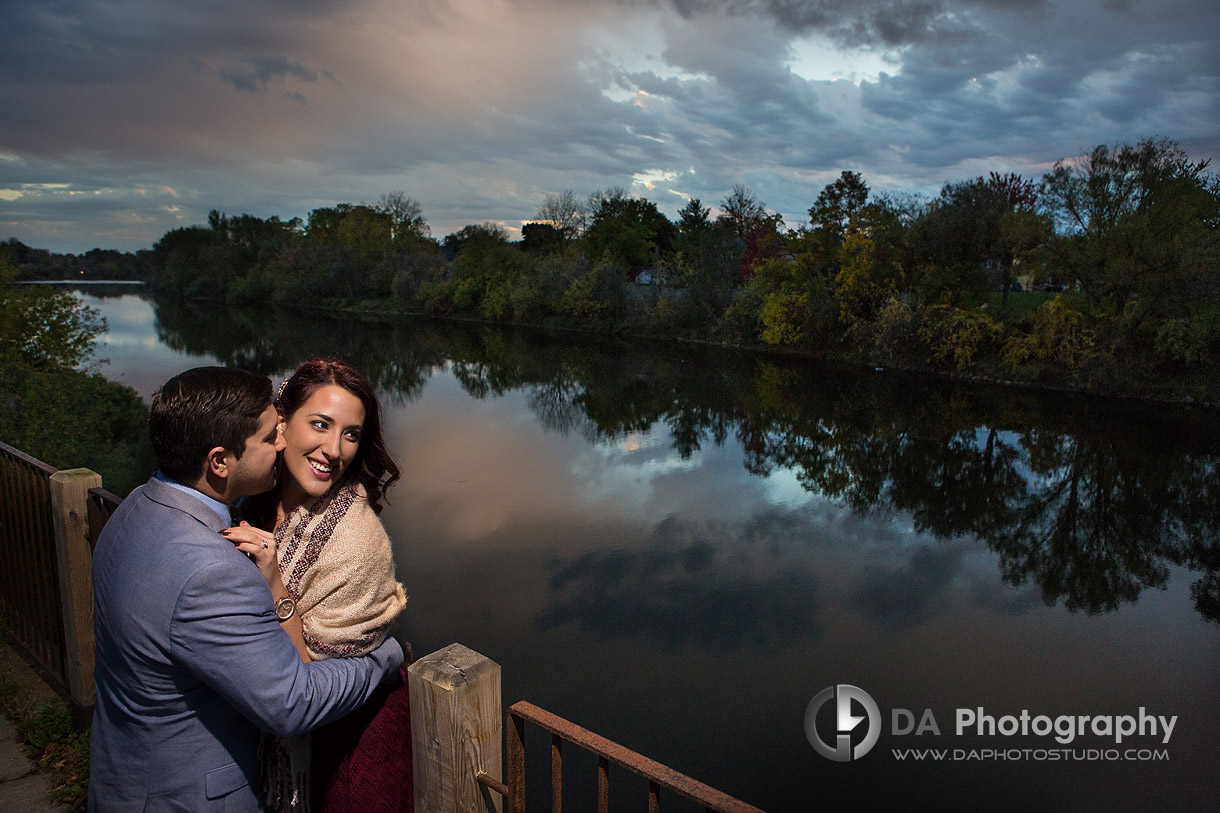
[1101,274]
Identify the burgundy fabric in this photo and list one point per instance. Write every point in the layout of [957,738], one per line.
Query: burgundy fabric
[363,761]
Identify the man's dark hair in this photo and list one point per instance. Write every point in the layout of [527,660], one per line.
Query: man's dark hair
[201,409]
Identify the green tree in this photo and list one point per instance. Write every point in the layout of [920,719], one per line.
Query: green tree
[44,328]
[479,237]
[839,203]
[51,410]
[1139,230]
[626,231]
[541,239]
[975,227]
[704,262]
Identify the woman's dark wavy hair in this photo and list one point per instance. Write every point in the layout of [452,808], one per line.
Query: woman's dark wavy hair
[372,465]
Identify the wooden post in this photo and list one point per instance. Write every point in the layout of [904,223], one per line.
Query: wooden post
[456,731]
[70,509]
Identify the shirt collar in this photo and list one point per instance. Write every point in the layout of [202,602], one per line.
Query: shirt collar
[216,505]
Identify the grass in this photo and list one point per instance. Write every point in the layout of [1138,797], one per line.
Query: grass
[1021,304]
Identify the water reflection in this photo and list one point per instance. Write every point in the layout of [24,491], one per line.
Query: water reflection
[689,585]
[1092,503]
[679,547]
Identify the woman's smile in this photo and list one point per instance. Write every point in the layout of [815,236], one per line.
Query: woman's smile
[322,437]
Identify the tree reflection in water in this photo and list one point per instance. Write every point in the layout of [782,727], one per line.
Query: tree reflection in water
[1092,502]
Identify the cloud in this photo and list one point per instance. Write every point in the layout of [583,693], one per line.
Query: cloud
[688,585]
[254,73]
[479,109]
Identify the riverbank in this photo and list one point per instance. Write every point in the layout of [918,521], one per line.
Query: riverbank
[1192,395]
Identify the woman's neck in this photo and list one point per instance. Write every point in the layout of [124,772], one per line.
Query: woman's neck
[291,498]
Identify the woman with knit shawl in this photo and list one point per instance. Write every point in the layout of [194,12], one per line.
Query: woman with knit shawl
[336,562]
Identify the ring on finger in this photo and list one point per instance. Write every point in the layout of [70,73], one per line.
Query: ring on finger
[264,546]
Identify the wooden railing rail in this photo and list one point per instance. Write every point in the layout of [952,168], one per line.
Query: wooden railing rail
[456,742]
[101,505]
[659,776]
[29,578]
[46,569]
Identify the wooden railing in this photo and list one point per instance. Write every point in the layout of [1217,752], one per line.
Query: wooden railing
[46,581]
[29,580]
[101,505]
[49,521]
[456,736]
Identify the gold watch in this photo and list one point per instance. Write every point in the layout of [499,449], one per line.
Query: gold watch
[284,608]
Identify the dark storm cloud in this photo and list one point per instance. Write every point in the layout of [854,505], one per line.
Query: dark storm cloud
[478,108]
[886,23]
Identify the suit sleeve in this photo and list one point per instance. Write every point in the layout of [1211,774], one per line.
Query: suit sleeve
[225,633]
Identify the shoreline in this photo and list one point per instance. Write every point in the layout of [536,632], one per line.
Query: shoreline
[1147,398]
[353,307]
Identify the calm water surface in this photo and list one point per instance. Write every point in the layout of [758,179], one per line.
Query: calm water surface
[679,548]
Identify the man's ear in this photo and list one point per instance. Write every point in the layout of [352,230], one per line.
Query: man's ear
[217,462]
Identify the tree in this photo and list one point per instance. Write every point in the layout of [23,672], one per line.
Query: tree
[190,262]
[756,233]
[42,328]
[839,202]
[53,411]
[701,251]
[541,239]
[480,237]
[565,213]
[407,224]
[741,213]
[985,223]
[693,220]
[839,206]
[628,232]
[1139,229]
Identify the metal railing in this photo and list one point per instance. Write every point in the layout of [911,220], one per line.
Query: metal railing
[658,776]
[29,577]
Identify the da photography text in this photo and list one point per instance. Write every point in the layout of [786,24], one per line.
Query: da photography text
[856,724]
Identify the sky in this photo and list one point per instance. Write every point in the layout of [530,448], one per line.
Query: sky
[124,119]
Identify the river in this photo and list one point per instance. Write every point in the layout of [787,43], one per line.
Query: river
[680,547]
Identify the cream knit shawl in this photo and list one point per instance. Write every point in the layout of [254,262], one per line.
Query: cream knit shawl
[335,560]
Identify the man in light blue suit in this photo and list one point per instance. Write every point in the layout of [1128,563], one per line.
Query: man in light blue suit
[191,659]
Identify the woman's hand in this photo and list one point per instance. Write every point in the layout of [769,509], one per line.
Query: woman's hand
[259,545]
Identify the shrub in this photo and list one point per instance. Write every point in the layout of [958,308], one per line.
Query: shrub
[957,335]
[1061,334]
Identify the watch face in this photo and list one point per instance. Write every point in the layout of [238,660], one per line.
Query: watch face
[284,608]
